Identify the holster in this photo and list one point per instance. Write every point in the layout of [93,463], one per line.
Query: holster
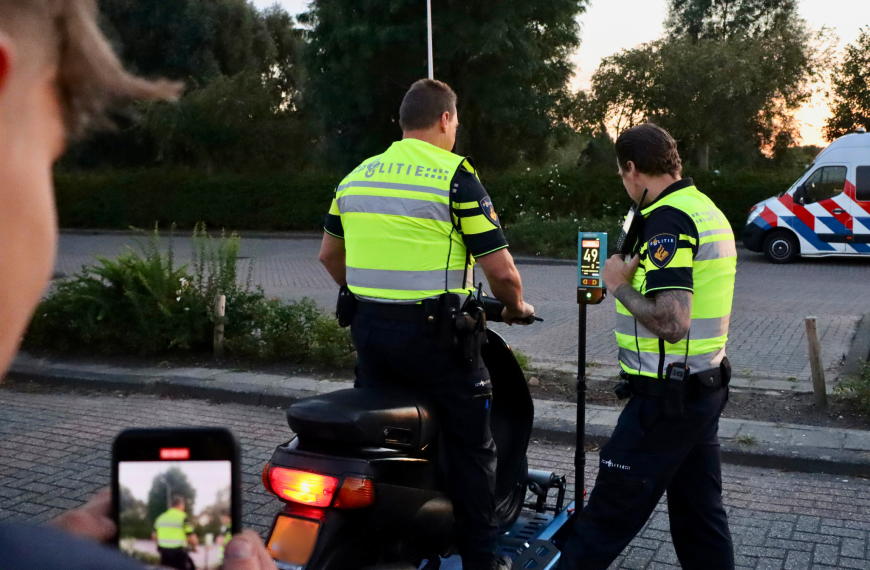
[470,331]
[345,308]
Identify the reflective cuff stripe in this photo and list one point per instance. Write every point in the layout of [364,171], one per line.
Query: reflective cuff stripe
[716,250]
[407,207]
[477,225]
[394,186]
[689,239]
[701,329]
[332,234]
[405,280]
[715,232]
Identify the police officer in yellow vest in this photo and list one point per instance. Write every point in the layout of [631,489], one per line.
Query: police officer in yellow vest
[172,531]
[673,304]
[403,234]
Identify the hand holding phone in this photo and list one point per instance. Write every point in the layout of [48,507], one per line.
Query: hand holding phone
[173,491]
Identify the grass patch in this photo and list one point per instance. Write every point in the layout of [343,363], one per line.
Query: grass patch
[144,303]
[857,389]
[524,360]
[746,440]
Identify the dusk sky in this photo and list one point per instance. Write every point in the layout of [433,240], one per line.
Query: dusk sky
[612,25]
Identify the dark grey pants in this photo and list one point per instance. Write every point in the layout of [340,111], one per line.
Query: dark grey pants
[647,455]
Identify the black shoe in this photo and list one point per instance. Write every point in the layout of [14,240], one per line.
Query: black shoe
[503,563]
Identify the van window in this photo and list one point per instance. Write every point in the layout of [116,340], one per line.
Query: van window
[826,182]
[862,184]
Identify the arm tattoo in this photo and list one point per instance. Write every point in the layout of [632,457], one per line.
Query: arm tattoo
[667,315]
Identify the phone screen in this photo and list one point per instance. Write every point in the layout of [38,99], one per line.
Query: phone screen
[174,497]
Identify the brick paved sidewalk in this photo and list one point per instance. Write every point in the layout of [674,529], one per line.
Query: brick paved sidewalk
[54,454]
[786,446]
[767,336]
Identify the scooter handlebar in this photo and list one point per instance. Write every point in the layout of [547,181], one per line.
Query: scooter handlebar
[493,308]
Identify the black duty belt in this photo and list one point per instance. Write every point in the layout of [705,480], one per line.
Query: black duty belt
[700,383]
[392,311]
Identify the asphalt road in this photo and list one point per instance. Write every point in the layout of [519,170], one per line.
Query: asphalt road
[55,454]
[767,336]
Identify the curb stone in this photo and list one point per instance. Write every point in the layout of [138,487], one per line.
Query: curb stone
[787,447]
[859,349]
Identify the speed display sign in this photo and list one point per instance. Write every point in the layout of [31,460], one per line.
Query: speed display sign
[592,252]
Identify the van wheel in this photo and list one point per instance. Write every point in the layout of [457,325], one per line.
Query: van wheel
[781,246]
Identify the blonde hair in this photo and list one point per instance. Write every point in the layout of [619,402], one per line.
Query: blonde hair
[91,79]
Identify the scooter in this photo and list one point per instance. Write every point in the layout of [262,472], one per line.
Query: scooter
[362,486]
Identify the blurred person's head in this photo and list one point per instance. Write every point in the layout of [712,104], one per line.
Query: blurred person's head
[225,518]
[647,158]
[428,113]
[58,77]
[178,502]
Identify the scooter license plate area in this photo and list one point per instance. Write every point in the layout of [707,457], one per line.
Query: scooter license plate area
[292,541]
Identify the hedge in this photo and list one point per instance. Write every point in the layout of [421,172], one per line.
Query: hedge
[119,200]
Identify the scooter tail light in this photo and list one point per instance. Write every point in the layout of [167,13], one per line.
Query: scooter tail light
[302,487]
[265,476]
[355,493]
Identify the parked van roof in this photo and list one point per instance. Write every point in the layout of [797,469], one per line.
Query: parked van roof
[854,140]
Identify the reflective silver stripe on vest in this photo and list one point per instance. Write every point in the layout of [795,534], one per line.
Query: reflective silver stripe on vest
[171,543]
[716,250]
[408,207]
[405,280]
[649,361]
[164,524]
[715,232]
[700,328]
[394,186]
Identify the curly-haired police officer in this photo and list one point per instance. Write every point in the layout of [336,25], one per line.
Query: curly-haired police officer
[673,303]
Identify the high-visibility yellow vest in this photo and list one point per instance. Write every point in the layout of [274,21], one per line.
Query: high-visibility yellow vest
[172,529]
[400,239]
[713,269]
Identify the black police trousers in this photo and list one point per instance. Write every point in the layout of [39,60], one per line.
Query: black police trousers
[394,354]
[177,558]
[647,455]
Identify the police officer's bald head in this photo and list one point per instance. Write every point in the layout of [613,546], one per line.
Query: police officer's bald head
[425,103]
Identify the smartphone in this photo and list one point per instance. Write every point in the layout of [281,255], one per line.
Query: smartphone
[627,240]
[176,495]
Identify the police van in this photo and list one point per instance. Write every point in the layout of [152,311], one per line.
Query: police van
[826,212]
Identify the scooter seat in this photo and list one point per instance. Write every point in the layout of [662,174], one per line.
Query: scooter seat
[363,416]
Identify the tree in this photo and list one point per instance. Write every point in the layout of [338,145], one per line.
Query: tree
[238,123]
[190,40]
[133,516]
[725,19]
[731,95]
[508,61]
[850,90]
[178,485]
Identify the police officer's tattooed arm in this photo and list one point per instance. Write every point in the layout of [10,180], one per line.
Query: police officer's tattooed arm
[667,315]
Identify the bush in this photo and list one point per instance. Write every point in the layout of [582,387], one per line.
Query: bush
[118,200]
[858,388]
[550,237]
[144,304]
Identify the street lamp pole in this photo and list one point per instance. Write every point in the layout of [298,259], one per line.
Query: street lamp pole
[429,25]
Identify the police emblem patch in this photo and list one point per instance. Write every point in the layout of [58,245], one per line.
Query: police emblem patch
[489,211]
[661,249]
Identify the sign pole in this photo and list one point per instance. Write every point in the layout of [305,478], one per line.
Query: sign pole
[580,451]
[591,251]
[429,26]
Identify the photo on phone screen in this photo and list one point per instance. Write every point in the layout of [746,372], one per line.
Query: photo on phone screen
[174,496]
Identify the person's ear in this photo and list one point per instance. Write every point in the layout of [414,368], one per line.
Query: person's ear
[7,60]
[445,121]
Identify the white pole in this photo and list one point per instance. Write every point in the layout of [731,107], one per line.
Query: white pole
[429,19]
